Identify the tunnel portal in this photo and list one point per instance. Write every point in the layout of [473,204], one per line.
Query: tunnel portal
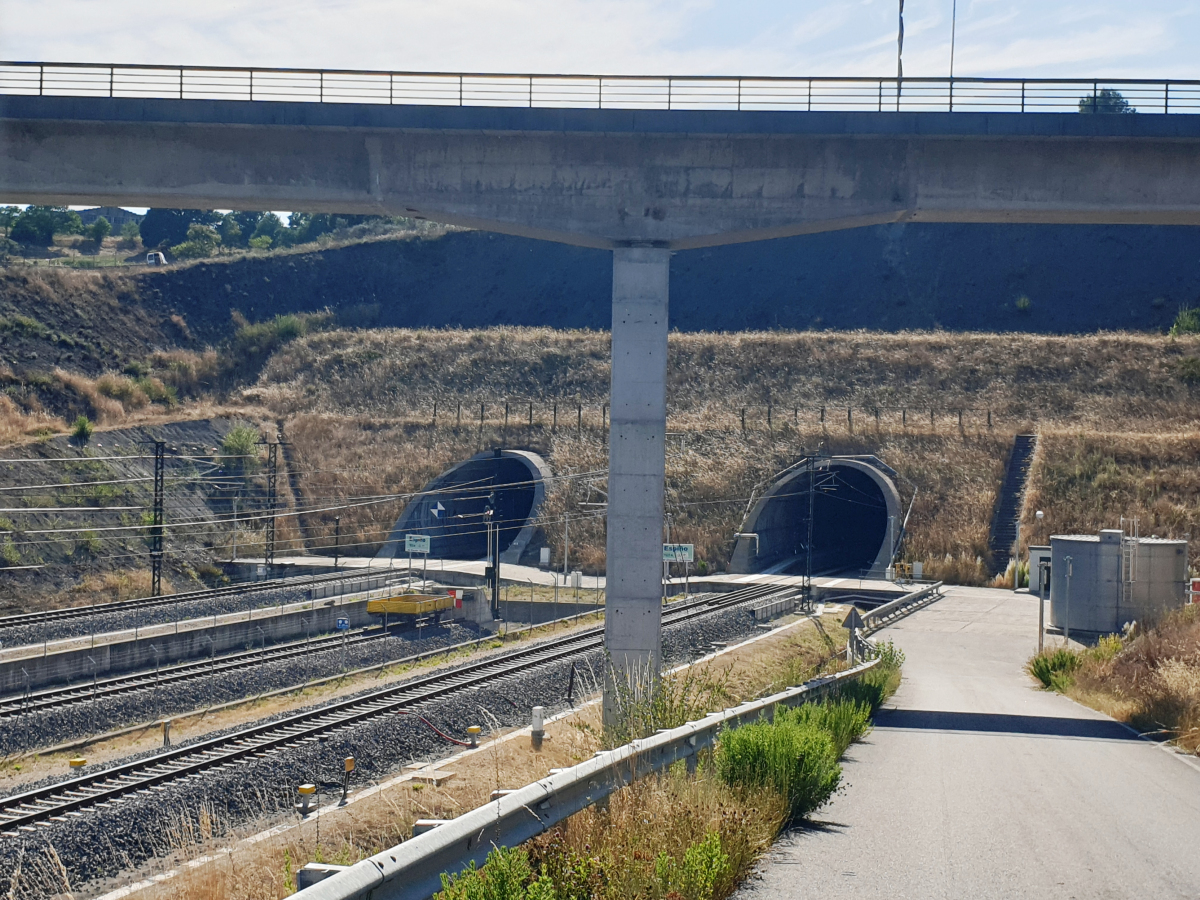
[451,508]
[856,519]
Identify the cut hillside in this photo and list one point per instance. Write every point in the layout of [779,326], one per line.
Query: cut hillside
[1097,381]
[75,524]
[378,412]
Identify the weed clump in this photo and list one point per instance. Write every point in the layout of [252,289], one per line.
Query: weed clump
[793,756]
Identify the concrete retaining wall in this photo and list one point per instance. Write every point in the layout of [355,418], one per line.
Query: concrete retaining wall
[189,643]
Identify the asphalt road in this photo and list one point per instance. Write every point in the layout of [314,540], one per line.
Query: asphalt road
[974,784]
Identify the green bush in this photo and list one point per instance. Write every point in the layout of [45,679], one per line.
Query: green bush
[130,232]
[262,242]
[1187,322]
[844,720]
[202,241]
[504,876]
[799,762]
[1054,668]
[239,448]
[82,429]
[696,876]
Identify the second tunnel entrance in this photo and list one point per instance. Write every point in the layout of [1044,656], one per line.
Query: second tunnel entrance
[855,520]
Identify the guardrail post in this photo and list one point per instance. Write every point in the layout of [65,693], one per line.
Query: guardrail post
[110,80]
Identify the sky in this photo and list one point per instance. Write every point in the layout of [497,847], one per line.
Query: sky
[1031,38]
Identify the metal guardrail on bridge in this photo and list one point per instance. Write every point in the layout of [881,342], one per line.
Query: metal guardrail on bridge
[1026,95]
[413,870]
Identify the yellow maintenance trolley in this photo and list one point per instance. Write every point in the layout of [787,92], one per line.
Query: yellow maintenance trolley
[410,607]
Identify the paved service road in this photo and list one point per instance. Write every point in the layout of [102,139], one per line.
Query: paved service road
[976,785]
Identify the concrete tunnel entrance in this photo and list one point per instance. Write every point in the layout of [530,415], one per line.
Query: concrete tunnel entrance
[856,520]
[451,508]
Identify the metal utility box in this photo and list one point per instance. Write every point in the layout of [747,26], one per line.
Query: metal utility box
[1104,581]
[1038,554]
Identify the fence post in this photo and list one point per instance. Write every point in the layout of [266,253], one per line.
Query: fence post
[932,427]
[530,413]
[506,414]
[435,414]
[768,417]
[580,425]
[849,420]
[554,423]
[743,420]
[989,418]
[458,415]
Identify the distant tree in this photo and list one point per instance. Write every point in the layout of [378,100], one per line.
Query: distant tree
[130,233]
[202,241]
[231,231]
[270,226]
[34,226]
[1105,101]
[100,229]
[66,221]
[170,226]
[8,215]
[262,242]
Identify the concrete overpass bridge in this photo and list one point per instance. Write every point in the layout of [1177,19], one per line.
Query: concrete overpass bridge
[641,166]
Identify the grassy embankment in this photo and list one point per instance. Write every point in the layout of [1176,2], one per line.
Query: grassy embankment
[723,799]
[1150,679]
[692,836]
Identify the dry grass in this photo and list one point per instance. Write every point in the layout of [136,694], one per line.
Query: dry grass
[1085,482]
[1096,380]
[1151,681]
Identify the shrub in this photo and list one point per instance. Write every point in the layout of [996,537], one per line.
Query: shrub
[845,720]
[797,761]
[130,233]
[1054,668]
[1187,322]
[703,867]
[1189,370]
[239,446]
[202,241]
[82,429]
[504,876]
[262,242]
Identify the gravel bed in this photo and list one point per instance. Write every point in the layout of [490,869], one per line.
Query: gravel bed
[101,622]
[20,734]
[104,842]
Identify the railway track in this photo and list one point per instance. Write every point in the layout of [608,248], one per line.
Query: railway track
[80,612]
[23,812]
[52,698]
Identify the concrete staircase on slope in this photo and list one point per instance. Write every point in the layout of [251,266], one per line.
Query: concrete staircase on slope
[1009,500]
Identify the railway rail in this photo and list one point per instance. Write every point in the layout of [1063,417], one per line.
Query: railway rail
[252,587]
[86,692]
[23,812]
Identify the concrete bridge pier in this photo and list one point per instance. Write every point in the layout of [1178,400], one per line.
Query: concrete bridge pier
[636,470]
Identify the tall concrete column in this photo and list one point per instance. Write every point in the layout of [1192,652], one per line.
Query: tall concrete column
[636,468]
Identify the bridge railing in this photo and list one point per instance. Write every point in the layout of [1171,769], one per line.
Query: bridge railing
[598,91]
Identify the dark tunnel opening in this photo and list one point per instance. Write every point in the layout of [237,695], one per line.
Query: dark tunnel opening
[850,524]
[452,509]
